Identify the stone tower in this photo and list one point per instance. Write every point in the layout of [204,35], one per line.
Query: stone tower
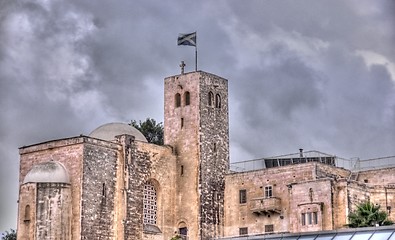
[197,126]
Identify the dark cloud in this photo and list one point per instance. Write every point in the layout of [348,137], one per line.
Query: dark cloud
[313,74]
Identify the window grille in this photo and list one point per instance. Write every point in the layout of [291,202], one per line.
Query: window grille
[149,202]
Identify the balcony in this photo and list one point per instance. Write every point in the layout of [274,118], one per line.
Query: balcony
[264,205]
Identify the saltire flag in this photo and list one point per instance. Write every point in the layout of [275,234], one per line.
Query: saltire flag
[188,39]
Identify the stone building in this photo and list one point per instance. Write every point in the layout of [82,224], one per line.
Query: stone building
[302,194]
[113,184]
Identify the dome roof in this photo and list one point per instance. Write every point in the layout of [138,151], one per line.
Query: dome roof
[47,172]
[110,130]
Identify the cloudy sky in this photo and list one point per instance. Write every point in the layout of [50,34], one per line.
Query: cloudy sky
[318,75]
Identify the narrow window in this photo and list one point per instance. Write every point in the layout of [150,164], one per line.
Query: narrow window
[309,220]
[27,213]
[315,218]
[215,147]
[187,99]
[269,228]
[243,196]
[217,101]
[149,204]
[182,170]
[303,219]
[311,194]
[268,191]
[182,122]
[104,190]
[210,98]
[243,231]
[178,100]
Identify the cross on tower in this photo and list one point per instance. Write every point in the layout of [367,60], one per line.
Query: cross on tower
[182,66]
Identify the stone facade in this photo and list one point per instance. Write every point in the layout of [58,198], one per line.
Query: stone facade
[308,197]
[197,127]
[122,187]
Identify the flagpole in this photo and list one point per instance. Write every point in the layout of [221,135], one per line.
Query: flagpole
[196,59]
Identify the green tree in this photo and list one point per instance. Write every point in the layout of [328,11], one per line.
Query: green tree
[151,130]
[176,237]
[368,214]
[9,235]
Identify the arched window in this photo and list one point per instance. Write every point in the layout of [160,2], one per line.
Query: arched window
[187,98]
[178,100]
[210,98]
[27,213]
[217,101]
[150,206]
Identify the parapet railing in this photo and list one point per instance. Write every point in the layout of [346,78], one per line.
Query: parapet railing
[354,164]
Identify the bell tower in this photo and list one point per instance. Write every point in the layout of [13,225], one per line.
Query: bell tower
[196,125]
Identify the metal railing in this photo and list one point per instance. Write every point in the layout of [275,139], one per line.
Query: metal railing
[354,164]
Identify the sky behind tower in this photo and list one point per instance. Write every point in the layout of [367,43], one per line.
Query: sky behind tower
[312,74]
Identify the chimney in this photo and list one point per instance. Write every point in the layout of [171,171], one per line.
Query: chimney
[301,152]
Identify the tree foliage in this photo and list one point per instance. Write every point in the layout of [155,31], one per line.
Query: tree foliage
[9,235]
[368,214]
[176,237]
[151,130]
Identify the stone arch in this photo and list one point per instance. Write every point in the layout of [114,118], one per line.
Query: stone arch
[182,229]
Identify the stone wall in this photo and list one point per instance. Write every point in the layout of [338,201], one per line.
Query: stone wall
[254,182]
[27,211]
[53,216]
[69,152]
[328,171]
[181,131]
[198,132]
[98,191]
[214,154]
[301,188]
[163,175]
[315,196]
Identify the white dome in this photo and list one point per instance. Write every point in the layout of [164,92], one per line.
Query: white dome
[47,172]
[110,130]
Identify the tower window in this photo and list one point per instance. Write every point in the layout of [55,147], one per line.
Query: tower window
[243,196]
[182,170]
[182,122]
[178,100]
[217,101]
[150,206]
[210,98]
[187,99]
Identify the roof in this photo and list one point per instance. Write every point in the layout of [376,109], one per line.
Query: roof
[371,233]
[110,130]
[47,172]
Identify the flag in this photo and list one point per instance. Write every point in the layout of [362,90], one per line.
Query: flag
[188,39]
